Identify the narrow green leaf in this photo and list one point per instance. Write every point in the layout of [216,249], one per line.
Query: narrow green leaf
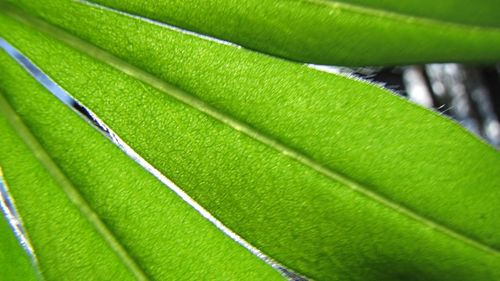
[69,189]
[91,212]
[333,177]
[347,32]
[47,213]
[14,261]
[480,12]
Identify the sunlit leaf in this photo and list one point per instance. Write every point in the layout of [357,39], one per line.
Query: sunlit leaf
[330,176]
[60,170]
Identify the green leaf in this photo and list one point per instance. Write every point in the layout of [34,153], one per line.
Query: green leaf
[347,32]
[481,13]
[14,262]
[91,212]
[334,178]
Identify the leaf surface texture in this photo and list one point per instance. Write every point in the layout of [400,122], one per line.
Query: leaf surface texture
[164,236]
[346,32]
[333,177]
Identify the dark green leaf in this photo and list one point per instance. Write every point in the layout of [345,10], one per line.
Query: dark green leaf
[347,32]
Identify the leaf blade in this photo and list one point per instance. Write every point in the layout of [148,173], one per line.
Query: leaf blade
[18,162]
[304,220]
[210,252]
[255,134]
[338,249]
[70,191]
[339,32]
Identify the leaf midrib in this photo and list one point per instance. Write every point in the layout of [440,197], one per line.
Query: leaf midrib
[69,189]
[95,52]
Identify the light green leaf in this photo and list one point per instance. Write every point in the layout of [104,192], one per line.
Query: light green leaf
[334,178]
[347,32]
[91,212]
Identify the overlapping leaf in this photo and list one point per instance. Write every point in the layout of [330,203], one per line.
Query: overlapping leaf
[333,177]
[348,32]
[162,236]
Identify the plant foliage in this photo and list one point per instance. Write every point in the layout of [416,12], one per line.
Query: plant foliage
[330,177]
